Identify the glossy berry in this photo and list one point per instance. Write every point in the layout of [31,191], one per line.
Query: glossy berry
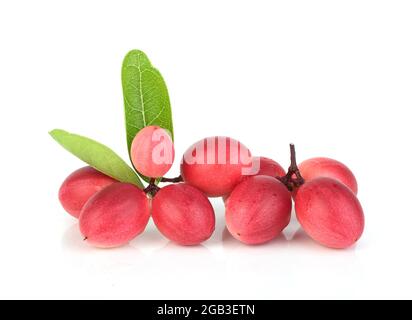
[215,165]
[329,212]
[183,214]
[330,168]
[152,151]
[258,209]
[80,186]
[115,215]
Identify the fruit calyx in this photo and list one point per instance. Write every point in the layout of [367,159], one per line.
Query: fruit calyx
[293,179]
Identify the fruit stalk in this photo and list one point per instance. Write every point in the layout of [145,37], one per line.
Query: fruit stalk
[293,179]
[172,180]
[152,188]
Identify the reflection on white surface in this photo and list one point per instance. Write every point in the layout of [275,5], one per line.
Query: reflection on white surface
[290,266]
[150,266]
[152,243]
[283,261]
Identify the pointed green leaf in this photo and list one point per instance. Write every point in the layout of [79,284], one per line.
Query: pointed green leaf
[97,155]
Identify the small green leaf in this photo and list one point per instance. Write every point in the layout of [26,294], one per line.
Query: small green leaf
[146,99]
[97,155]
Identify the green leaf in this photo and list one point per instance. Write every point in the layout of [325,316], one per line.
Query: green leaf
[97,155]
[146,99]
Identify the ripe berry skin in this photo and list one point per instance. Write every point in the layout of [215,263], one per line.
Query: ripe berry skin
[80,186]
[183,214]
[213,166]
[258,209]
[152,151]
[329,212]
[269,167]
[115,215]
[330,168]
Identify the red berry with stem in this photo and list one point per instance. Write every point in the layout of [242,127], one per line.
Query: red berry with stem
[216,165]
[325,167]
[183,214]
[80,186]
[329,212]
[258,209]
[152,151]
[114,215]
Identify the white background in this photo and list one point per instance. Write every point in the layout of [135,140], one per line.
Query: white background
[334,77]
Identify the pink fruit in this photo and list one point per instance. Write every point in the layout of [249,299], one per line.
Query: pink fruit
[258,209]
[183,214]
[215,165]
[152,151]
[329,212]
[114,215]
[269,167]
[325,167]
[80,186]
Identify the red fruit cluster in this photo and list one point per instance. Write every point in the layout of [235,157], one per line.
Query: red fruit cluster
[257,193]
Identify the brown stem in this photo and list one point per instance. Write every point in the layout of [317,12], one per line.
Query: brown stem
[172,180]
[152,188]
[289,180]
[293,164]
